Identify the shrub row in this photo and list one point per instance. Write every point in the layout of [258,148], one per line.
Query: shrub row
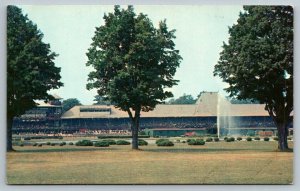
[84,143]
[196,142]
[42,137]
[120,136]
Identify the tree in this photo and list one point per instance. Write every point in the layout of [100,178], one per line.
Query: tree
[30,67]
[257,62]
[101,100]
[184,99]
[69,103]
[134,62]
[242,101]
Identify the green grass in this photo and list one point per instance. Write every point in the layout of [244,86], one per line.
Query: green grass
[212,163]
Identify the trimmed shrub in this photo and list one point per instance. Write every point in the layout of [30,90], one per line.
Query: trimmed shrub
[27,138]
[178,141]
[84,143]
[39,145]
[183,141]
[122,142]
[275,138]
[256,138]
[21,145]
[52,144]
[71,143]
[48,143]
[142,142]
[266,139]
[249,139]
[64,143]
[188,140]
[110,141]
[216,139]
[239,138]
[61,144]
[232,139]
[209,139]
[120,136]
[225,138]
[160,140]
[166,143]
[196,142]
[34,144]
[101,144]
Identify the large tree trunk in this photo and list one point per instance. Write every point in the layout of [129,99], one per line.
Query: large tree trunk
[282,136]
[9,147]
[134,130]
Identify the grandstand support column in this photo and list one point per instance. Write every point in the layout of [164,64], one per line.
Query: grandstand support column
[9,134]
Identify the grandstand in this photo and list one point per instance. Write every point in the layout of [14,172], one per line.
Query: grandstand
[102,119]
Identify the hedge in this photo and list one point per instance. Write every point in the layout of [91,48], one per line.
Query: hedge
[209,139]
[101,144]
[122,142]
[196,142]
[84,143]
[256,138]
[216,139]
[120,136]
[110,141]
[239,138]
[266,139]
[164,142]
[43,137]
[249,139]
[142,142]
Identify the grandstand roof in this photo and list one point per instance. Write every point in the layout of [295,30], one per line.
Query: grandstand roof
[209,104]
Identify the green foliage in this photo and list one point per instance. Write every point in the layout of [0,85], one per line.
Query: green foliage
[160,140]
[225,138]
[216,139]
[84,143]
[257,62]
[209,139]
[142,142]
[27,138]
[34,144]
[183,141]
[109,141]
[21,144]
[100,100]
[122,142]
[101,144]
[184,99]
[120,136]
[248,139]
[48,143]
[71,143]
[239,138]
[266,138]
[31,71]
[61,144]
[196,142]
[256,138]
[275,138]
[40,145]
[69,103]
[64,143]
[52,144]
[164,142]
[232,139]
[134,62]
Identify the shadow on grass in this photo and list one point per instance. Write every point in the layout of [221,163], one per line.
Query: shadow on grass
[47,150]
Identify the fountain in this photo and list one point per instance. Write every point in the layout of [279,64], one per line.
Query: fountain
[225,120]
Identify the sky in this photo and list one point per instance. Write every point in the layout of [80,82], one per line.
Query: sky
[200,33]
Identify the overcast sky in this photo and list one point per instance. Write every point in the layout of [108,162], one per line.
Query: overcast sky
[200,32]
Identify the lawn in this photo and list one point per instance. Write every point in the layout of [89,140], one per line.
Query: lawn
[255,162]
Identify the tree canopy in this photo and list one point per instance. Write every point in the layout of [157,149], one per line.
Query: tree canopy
[31,70]
[184,99]
[101,100]
[257,61]
[134,62]
[69,103]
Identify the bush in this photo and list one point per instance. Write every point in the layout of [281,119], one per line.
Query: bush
[225,138]
[142,142]
[52,144]
[39,145]
[84,143]
[27,138]
[122,142]
[178,141]
[249,139]
[120,136]
[275,138]
[34,144]
[71,143]
[165,142]
[61,144]
[232,139]
[183,141]
[209,139]
[21,145]
[110,141]
[48,143]
[239,138]
[216,139]
[257,138]
[266,139]
[196,142]
[64,143]
[101,144]
[160,140]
